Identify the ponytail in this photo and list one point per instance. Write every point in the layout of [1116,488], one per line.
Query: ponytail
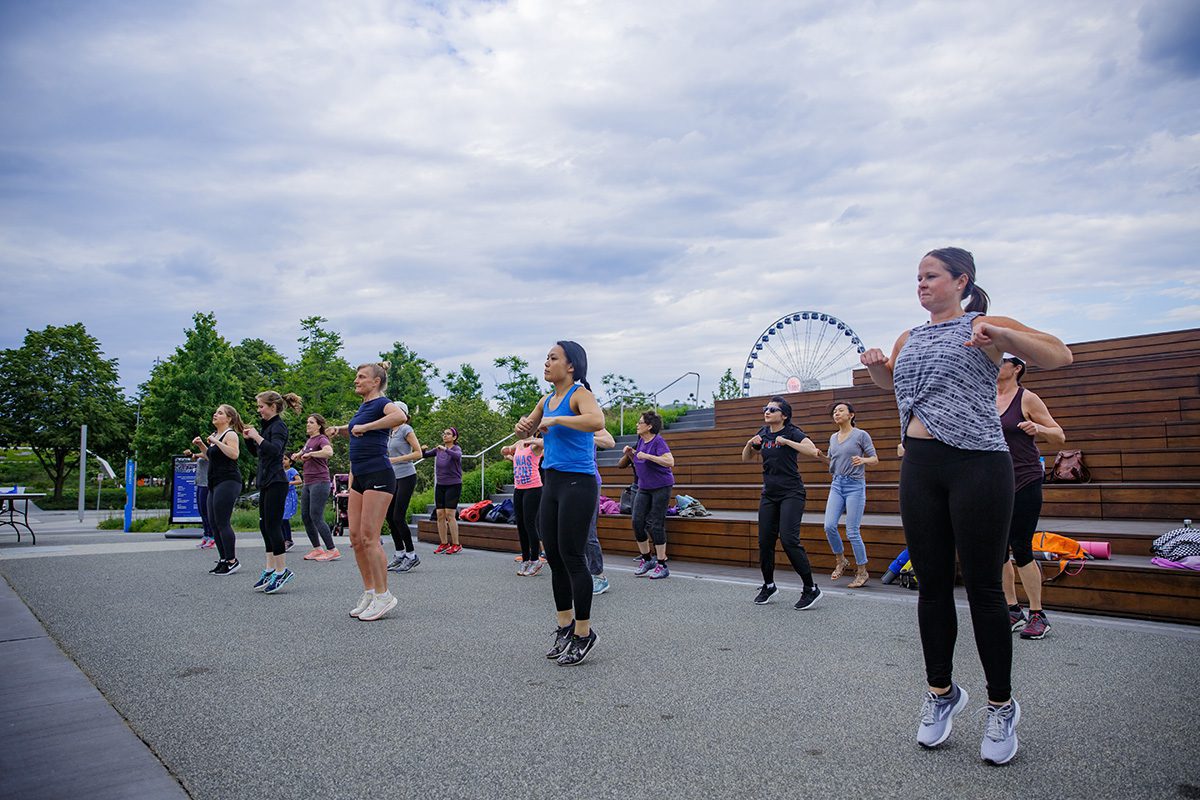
[290,400]
[979,299]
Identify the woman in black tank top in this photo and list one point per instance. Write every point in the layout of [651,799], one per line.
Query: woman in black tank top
[1024,417]
[224,483]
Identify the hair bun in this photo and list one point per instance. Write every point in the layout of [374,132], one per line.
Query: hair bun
[386,364]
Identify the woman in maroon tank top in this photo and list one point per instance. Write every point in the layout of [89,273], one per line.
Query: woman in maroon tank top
[1024,417]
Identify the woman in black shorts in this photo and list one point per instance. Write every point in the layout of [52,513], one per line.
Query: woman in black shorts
[447,472]
[372,484]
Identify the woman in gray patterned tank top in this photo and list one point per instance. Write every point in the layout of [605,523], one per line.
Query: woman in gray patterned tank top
[956,483]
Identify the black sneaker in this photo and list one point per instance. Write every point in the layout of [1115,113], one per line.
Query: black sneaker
[231,567]
[809,598]
[217,569]
[578,649]
[562,638]
[765,594]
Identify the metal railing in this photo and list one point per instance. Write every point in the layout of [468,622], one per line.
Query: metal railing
[640,399]
[482,456]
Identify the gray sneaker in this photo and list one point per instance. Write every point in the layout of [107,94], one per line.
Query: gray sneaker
[937,714]
[394,564]
[408,563]
[1000,733]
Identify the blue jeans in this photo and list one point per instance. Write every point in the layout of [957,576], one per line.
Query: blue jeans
[847,495]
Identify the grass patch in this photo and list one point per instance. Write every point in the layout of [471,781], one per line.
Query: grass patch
[612,416]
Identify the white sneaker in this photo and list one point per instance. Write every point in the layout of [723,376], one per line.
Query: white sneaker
[363,602]
[382,604]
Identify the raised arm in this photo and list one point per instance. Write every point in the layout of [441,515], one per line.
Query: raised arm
[805,446]
[603,439]
[393,417]
[999,335]
[1039,422]
[588,416]
[881,367]
[529,423]
[752,450]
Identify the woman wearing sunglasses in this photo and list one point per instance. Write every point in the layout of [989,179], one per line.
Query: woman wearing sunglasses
[782,504]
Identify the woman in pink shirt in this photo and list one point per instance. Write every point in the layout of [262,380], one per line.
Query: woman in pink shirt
[526,456]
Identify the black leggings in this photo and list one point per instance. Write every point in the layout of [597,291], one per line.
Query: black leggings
[952,499]
[525,505]
[271,499]
[1027,508]
[650,514]
[202,501]
[398,513]
[568,505]
[220,511]
[779,519]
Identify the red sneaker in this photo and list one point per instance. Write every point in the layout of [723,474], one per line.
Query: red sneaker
[454,548]
[442,548]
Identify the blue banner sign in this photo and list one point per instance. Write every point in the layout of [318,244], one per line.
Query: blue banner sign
[130,491]
[183,498]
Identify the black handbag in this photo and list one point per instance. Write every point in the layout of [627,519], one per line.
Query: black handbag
[627,495]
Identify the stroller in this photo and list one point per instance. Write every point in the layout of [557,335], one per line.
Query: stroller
[341,504]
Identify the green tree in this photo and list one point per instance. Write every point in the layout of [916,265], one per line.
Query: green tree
[521,391]
[321,375]
[178,400]
[727,388]
[478,426]
[464,384]
[56,381]
[619,387]
[258,367]
[409,377]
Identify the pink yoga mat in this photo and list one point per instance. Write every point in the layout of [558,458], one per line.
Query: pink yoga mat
[1097,549]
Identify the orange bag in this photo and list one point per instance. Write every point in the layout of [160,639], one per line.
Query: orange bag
[1056,547]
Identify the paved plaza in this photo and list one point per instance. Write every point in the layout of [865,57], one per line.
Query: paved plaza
[692,691]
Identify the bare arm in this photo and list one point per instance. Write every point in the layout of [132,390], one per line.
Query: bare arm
[393,417]
[751,451]
[531,421]
[805,446]
[666,460]
[604,440]
[880,367]
[1038,420]
[998,335]
[588,416]
[228,445]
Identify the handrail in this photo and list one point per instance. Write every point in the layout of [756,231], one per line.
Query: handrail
[642,397]
[482,463]
[672,383]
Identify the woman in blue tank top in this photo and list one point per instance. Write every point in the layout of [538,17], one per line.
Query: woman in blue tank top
[372,484]
[568,417]
[956,483]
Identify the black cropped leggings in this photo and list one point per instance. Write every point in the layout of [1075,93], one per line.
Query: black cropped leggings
[270,516]
[1027,508]
[568,505]
[650,514]
[221,498]
[526,503]
[954,500]
[398,513]
[779,519]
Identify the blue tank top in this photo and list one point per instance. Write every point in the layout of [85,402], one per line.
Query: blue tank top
[368,453]
[950,387]
[567,450]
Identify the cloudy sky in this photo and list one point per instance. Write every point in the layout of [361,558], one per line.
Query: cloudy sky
[659,181]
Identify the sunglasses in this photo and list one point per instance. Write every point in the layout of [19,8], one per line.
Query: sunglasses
[771,409]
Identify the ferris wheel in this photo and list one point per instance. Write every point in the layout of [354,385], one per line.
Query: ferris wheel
[802,352]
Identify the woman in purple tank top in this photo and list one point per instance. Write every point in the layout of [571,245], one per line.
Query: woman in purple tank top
[1024,416]
[956,483]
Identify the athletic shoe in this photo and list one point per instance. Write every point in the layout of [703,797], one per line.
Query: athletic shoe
[410,561]
[313,554]
[232,567]
[1038,626]
[562,638]
[288,545]
[519,559]
[328,555]
[363,602]
[209,543]
[523,570]
[999,743]
[536,566]
[277,581]
[382,604]
[599,584]
[765,594]
[644,565]
[808,598]
[441,548]
[217,569]
[577,649]
[660,571]
[203,543]
[394,564]
[263,580]
[937,715]
[454,548]
[1016,619]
